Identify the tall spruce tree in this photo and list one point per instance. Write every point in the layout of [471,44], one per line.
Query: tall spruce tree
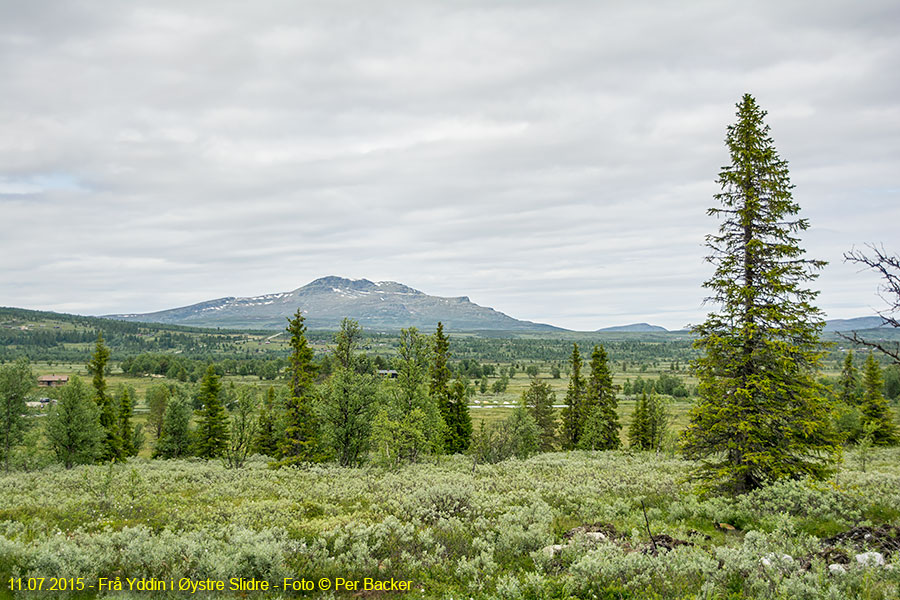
[109,413]
[124,399]
[639,431]
[572,412]
[439,371]
[301,434]
[600,421]
[439,380]
[212,424]
[73,426]
[761,415]
[876,416]
[459,424]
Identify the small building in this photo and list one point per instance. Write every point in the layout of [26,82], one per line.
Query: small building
[52,380]
[389,373]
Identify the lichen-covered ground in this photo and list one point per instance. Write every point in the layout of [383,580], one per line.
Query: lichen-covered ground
[558,525]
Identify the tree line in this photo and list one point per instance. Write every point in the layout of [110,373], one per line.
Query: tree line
[340,417]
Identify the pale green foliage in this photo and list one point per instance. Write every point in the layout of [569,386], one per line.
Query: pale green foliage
[409,423]
[866,443]
[73,426]
[458,532]
[156,397]
[412,369]
[397,441]
[522,432]
[243,426]
[517,436]
[16,382]
[347,340]
[345,411]
[33,451]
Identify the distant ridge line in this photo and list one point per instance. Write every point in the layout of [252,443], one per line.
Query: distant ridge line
[634,327]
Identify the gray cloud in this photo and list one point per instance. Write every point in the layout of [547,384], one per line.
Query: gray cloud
[553,160]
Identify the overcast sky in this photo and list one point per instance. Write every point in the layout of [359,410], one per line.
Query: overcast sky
[551,159]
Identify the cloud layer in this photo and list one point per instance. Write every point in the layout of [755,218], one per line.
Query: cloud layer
[553,160]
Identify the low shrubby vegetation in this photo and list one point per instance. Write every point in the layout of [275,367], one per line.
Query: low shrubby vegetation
[514,529]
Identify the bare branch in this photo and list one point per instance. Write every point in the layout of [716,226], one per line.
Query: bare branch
[892,352]
[889,268]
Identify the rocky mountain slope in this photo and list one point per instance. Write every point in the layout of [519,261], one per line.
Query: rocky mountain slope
[383,305]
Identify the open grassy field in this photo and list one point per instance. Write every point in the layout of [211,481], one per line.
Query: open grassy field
[492,407]
[559,525]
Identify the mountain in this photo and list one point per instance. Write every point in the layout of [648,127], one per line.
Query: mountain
[834,325]
[634,328]
[383,305]
[857,324]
